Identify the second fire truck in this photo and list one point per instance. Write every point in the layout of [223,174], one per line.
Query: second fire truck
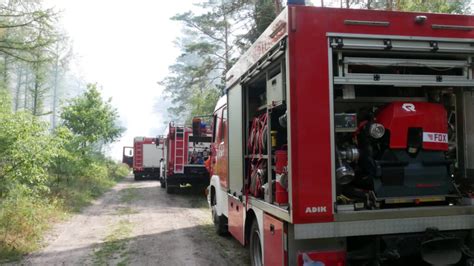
[185,151]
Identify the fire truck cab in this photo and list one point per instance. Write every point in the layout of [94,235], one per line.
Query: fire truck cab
[346,138]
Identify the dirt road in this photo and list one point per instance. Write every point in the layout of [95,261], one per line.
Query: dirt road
[137,223]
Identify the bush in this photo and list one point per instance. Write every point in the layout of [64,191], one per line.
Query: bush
[44,173]
[23,219]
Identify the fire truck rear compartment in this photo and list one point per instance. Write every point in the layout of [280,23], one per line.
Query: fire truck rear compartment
[372,170]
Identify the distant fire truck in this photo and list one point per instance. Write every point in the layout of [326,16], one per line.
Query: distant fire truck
[346,137]
[147,157]
[185,151]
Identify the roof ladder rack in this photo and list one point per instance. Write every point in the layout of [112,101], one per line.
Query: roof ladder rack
[180,150]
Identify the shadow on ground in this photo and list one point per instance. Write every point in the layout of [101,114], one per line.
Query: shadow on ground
[206,249]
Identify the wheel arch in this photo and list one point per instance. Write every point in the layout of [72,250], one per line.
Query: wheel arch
[218,196]
[249,218]
[213,199]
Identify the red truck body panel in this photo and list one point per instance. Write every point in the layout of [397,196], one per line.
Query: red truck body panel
[302,39]
[138,152]
[274,253]
[236,219]
[310,86]
[177,157]
[432,118]
[219,163]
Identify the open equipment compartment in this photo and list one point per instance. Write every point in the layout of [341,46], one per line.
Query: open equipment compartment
[397,139]
[266,133]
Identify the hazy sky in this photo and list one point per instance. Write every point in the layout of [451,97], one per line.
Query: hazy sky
[125,47]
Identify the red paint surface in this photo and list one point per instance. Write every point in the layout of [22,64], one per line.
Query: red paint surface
[309,91]
[236,219]
[431,117]
[172,142]
[274,253]
[307,29]
[329,258]
[138,152]
[220,152]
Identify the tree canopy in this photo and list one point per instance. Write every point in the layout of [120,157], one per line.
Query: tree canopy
[91,118]
[212,41]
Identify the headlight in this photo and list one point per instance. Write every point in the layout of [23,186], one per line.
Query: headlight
[376,130]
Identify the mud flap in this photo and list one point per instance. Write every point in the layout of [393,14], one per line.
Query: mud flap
[442,250]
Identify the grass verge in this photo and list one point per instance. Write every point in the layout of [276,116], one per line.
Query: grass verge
[128,194]
[24,218]
[115,246]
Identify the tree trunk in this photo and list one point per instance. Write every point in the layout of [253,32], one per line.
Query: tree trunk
[55,93]
[5,71]
[18,88]
[278,7]
[35,97]
[397,3]
[226,44]
[25,99]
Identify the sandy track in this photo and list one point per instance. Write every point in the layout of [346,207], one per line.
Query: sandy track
[137,223]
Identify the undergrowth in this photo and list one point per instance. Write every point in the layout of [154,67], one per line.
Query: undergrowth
[115,245]
[46,174]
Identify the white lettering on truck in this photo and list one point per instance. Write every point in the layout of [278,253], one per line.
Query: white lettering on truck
[319,209]
[409,107]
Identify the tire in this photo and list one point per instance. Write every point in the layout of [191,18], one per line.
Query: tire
[162,184]
[137,177]
[254,245]
[220,222]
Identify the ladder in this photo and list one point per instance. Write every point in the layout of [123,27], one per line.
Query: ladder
[138,160]
[180,151]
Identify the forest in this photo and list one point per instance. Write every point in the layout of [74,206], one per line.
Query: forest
[54,127]
[52,159]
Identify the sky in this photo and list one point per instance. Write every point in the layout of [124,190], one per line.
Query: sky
[125,47]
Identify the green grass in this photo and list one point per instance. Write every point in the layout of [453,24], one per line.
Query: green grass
[128,194]
[125,211]
[80,192]
[25,218]
[115,245]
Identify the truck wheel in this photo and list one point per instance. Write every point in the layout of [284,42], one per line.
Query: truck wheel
[220,222]
[136,177]
[255,245]
[162,184]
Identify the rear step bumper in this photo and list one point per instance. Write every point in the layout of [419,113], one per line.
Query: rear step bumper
[193,179]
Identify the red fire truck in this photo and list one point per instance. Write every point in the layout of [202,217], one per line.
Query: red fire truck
[346,138]
[186,149]
[147,157]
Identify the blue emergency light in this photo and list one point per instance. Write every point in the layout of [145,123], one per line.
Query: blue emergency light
[296,2]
